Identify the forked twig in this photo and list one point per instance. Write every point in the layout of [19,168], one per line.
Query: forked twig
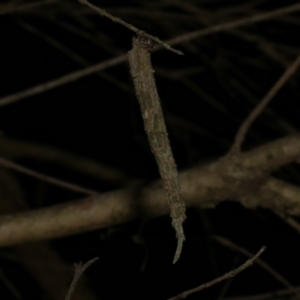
[145,87]
[232,273]
[79,269]
[104,13]
[240,136]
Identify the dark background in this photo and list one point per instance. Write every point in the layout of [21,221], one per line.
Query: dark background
[205,96]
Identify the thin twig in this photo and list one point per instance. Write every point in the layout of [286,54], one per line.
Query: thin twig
[290,221]
[146,91]
[240,136]
[10,286]
[229,281]
[14,149]
[79,269]
[232,273]
[234,24]
[279,294]
[72,54]
[49,85]
[104,13]
[70,186]
[11,9]
[46,86]
[229,244]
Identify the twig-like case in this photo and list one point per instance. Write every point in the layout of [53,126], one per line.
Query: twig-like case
[146,91]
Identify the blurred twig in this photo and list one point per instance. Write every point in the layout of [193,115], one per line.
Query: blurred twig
[234,24]
[11,8]
[46,86]
[18,149]
[240,136]
[230,274]
[70,186]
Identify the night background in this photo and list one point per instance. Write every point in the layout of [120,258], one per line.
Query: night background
[95,121]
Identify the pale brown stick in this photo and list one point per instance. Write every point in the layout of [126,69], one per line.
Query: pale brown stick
[232,273]
[79,269]
[240,136]
[70,186]
[202,187]
[104,13]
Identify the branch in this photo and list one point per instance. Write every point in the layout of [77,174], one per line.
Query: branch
[240,136]
[10,286]
[244,180]
[67,185]
[10,8]
[230,274]
[43,264]
[279,294]
[16,149]
[46,86]
[104,13]
[234,24]
[229,244]
[49,85]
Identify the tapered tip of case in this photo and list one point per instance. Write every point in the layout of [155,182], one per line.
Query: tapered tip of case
[178,250]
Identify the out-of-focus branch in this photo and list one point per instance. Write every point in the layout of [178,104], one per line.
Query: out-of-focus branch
[46,86]
[234,24]
[52,180]
[240,136]
[10,286]
[11,8]
[243,178]
[16,149]
[275,195]
[49,85]
[39,259]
